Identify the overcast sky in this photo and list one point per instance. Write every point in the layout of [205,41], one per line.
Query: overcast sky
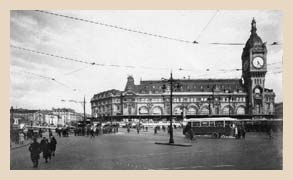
[105,45]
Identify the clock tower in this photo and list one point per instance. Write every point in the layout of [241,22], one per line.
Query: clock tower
[254,68]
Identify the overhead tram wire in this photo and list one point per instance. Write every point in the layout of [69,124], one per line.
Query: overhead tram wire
[113,65]
[147,33]
[82,61]
[116,27]
[44,77]
[200,33]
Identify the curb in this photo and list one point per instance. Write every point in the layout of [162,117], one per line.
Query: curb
[170,144]
[13,148]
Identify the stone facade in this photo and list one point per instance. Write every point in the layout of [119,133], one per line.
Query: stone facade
[244,96]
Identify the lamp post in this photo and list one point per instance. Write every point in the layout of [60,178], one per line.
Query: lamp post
[229,96]
[171,139]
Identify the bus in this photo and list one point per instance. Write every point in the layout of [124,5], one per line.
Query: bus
[216,127]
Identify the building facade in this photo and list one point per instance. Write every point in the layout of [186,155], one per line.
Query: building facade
[65,116]
[192,97]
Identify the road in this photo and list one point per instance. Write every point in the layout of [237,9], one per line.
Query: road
[132,151]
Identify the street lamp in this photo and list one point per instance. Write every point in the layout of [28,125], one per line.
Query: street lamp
[171,81]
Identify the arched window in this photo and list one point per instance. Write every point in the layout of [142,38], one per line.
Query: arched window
[240,110]
[157,111]
[177,111]
[191,110]
[205,111]
[143,110]
[227,110]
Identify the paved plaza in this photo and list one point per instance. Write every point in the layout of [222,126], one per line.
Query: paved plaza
[132,151]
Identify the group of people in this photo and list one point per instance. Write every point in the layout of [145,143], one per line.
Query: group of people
[46,147]
[239,131]
[62,131]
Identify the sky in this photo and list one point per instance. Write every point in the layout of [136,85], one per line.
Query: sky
[148,57]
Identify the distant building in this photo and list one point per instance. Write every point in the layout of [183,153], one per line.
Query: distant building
[192,97]
[65,115]
[279,110]
[22,116]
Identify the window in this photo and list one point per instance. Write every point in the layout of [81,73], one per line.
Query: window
[205,124]
[219,124]
[195,124]
[212,123]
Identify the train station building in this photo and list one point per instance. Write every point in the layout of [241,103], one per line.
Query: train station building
[246,96]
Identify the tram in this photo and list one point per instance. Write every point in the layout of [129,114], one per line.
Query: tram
[225,126]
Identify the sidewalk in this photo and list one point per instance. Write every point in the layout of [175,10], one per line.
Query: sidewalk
[27,142]
[13,145]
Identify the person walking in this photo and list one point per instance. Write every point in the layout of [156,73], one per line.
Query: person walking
[35,150]
[236,132]
[45,149]
[40,132]
[191,134]
[92,133]
[21,137]
[50,133]
[53,144]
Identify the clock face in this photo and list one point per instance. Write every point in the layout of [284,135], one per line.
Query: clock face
[258,62]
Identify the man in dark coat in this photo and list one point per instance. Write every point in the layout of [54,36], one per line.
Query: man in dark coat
[46,149]
[53,144]
[35,150]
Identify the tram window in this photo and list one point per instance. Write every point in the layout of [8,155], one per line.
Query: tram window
[219,123]
[205,124]
[195,124]
[212,123]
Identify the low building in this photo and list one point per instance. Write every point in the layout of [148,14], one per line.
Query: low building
[22,116]
[65,115]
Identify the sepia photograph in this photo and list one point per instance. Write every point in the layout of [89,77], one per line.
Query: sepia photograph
[146,90]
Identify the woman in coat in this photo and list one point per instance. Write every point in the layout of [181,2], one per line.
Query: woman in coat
[53,144]
[45,146]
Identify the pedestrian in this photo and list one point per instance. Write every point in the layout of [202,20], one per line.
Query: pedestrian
[45,149]
[236,132]
[40,132]
[128,129]
[155,130]
[35,150]
[59,132]
[242,132]
[191,134]
[92,133]
[146,128]
[137,128]
[21,137]
[53,144]
[50,133]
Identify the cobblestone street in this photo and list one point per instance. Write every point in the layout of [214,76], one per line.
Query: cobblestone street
[138,151]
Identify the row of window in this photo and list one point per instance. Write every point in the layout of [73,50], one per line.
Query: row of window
[183,99]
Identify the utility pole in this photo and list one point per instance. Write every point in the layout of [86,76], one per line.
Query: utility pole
[171,140]
[84,117]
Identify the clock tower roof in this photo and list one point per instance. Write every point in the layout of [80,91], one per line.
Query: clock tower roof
[254,40]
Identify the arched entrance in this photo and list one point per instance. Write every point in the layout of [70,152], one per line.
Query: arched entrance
[227,110]
[192,110]
[240,110]
[157,110]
